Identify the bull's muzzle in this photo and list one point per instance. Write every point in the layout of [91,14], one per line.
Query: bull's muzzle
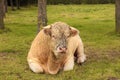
[62,49]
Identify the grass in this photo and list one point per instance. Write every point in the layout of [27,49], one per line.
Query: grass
[96,24]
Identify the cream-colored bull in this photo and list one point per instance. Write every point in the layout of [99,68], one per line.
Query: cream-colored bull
[47,53]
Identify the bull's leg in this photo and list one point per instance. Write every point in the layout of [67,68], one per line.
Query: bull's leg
[81,57]
[35,67]
[69,64]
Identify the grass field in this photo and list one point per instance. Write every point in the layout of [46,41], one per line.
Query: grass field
[97,30]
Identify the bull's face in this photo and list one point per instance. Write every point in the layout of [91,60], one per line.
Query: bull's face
[60,34]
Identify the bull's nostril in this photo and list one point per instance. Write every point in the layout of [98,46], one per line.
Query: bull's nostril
[65,48]
[60,48]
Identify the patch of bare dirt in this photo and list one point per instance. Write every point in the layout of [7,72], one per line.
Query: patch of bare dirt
[2,54]
[5,56]
[94,54]
[113,78]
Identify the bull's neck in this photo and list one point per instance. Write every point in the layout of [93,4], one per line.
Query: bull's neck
[55,59]
[54,64]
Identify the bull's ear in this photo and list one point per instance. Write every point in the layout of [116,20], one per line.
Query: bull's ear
[73,31]
[47,31]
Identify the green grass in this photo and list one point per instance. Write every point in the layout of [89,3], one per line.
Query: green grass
[96,24]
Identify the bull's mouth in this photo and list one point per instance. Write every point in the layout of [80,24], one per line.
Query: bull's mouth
[61,52]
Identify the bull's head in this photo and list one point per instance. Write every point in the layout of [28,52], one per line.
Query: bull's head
[60,34]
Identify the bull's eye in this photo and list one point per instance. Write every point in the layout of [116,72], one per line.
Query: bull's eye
[67,36]
[53,37]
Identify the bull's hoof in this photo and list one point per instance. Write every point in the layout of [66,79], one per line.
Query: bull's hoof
[81,59]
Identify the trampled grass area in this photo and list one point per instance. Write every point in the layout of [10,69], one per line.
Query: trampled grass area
[97,30]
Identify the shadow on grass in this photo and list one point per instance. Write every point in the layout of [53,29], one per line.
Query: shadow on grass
[6,30]
[9,51]
[113,33]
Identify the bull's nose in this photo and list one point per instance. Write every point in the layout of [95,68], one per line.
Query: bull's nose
[63,49]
